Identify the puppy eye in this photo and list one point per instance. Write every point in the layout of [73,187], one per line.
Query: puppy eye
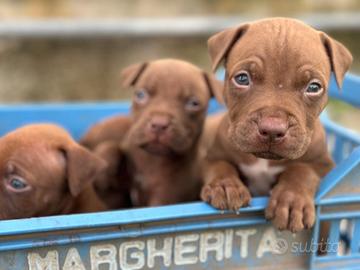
[242,79]
[192,104]
[314,88]
[141,96]
[17,184]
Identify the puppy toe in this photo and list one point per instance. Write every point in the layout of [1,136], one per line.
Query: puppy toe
[245,195]
[205,194]
[214,196]
[296,220]
[218,198]
[233,198]
[270,210]
[237,197]
[281,219]
[309,216]
[226,193]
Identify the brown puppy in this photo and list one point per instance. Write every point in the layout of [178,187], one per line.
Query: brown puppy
[162,133]
[45,172]
[271,141]
[104,139]
[112,129]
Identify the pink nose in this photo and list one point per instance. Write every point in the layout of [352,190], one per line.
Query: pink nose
[159,123]
[272,129]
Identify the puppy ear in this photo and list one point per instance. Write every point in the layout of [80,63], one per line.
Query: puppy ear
[111,152]
[82,167]
[215,87]
[131,74]
[339,55]
[220,44]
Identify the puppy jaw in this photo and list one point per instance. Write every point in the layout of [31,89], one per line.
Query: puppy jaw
[281,56]
[178,138]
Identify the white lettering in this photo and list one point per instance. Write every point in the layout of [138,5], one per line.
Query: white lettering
[181,249]
[244,235]
[103,254]
[138,256]
[229,238]
[213,241]
[73,260]
[267,243]
[50,262]
[167,251]
[164,252]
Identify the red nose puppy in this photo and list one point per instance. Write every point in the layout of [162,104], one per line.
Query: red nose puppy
[160,145]
[45,172]
[271,141]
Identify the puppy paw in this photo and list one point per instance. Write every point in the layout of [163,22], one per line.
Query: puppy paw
[290,210]
[224,194]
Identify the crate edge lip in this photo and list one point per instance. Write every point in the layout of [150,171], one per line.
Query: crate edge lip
[118,217]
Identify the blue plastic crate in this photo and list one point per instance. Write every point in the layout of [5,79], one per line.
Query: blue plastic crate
[186,236]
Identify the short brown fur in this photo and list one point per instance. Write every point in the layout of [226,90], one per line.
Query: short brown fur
[57,171]
[281,57]
[163,165]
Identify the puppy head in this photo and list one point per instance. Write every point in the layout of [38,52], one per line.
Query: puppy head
[42,170]
[277,75]
[169,104]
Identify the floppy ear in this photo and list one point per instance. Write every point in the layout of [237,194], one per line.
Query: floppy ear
[220,44]
[111,152]
[82,167]
[340,57]
[131,74]
[215,87]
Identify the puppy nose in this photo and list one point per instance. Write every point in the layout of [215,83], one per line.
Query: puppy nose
[272,129]
[159,124]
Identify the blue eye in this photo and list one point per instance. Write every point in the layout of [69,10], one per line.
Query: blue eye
[241,79]
[313,88]
[18,183]
[141,96]
[192,104]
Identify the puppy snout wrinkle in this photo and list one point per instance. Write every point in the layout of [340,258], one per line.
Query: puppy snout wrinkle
[272,129]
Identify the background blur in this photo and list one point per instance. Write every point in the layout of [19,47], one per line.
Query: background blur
[56,50]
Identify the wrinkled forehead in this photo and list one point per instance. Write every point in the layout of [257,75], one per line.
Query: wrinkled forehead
[281,45]
[173,80]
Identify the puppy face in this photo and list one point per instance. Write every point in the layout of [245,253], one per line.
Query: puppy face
[277,75]
[169,104]
[42,170]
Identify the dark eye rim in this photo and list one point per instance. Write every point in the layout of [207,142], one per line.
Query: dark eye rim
[143,100]
[321,89]
[241,85]
[11,188]
[193,108]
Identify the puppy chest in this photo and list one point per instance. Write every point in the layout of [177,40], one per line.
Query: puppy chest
[260,176]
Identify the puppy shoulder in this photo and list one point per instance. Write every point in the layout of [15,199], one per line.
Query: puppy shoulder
[110,129]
